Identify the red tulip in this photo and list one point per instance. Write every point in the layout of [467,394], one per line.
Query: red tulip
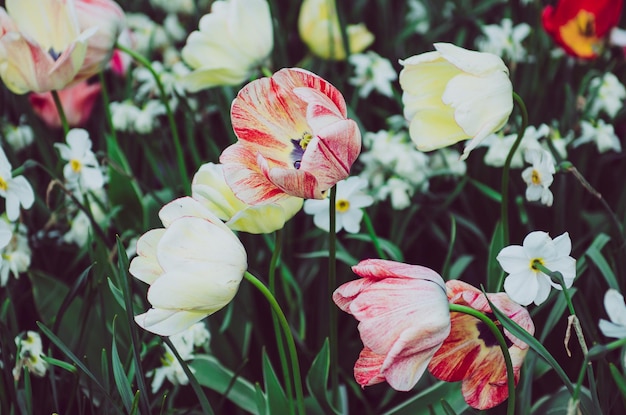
[294,138]
[77,102]
[581,26]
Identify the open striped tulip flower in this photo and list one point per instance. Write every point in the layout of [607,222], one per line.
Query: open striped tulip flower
[209,188]
[454,94]
[42,47]
[403,320]
[580,27]
[471,353]
[294,138]
[194,266]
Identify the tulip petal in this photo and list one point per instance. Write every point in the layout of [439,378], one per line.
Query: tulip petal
[167,322]
[367,368]
[145,266]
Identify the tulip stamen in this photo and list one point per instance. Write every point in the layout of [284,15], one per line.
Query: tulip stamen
[54,54]
[300,146]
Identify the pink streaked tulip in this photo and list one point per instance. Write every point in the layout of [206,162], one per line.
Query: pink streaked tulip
[471,353]
[77,102]
[36,55]
[294,138]
[403,320]
[108,17]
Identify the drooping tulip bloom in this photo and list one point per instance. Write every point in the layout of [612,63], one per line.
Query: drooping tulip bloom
[42,46]
[454,94]
[294,138]
[580,27]
[318,25]
[194,266]
[77,102]
[231,41]
[209,188]
[471,353]
[108,17]
[403,320]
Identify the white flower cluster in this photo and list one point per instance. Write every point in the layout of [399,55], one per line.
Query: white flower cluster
[15,253]
[504,40]
[30,352]
[372,72]
[185,343]
[17,136]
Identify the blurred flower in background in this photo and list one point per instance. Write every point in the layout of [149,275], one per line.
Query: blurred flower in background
[82,168]
[601,133]
[18,136]
[77,101]
[318,25]
[504,40]
[606,94]
[454,94]
[372,72]
[232,41]
[16,253]
[16,191]
[616,310]
[30,355]
[581,26]
[538,177]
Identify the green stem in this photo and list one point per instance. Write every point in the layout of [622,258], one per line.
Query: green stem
[106,102]
[291,345]
[57,103]
[504,206]
[332,283]
[170,116]
[505,350]
[276,323]
[373,236]
[558,277]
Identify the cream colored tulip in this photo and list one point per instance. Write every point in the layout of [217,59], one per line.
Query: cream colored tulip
[232,40]
[454,94]
[42,47]
[209,188]
[194,266]
[318,25]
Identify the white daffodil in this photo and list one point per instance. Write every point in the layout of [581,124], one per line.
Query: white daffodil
[454,94]
[498,146]
[538,177]
[399,191]
[209,188]
[18,136]
[417,17]
[231,42]
[16,190]
[525,283]
[447,162]
[16,253]
[194,266]
[372,72]
[607,94]
[602,134]
[616,309]
[504,40]
[30,352]
[82,167]
[349,202]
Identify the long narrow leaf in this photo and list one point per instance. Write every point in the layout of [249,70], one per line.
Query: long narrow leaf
[317,379]
[121,381]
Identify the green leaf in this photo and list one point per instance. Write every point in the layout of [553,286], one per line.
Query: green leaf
[211,374]
[276,399]
[342,256]
[619,379]
[119,374]
[393,250]
[261,402]
[317,379]
[459,266]
[426,402]
[59,363]
[594,254]
[494,270]
[557,403]
[486,190]
[555,313]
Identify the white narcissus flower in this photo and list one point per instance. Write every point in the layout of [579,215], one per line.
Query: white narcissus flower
[616,309]
[30,352]
[602,134]
[349,202]
[231,41]
[209,188]
[504,40]
[15,253]
[194,266]
[538,177]
[15,190]
[417,17]
[372,71]
[454,94]
[608,95]
[18,136]
[82,167]
[498,146]
[525,283]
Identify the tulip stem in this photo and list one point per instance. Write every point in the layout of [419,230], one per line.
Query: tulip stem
[170,115]
[275,322]
[504,206]
[291,344]
[373,236]
[502,342]
[57,103]
[332,283]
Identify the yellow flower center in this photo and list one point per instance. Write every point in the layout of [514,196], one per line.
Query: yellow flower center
[3,184]
[534,262]
[343,205]
[305,140]
[76,165]
[535,177]
[580,34]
